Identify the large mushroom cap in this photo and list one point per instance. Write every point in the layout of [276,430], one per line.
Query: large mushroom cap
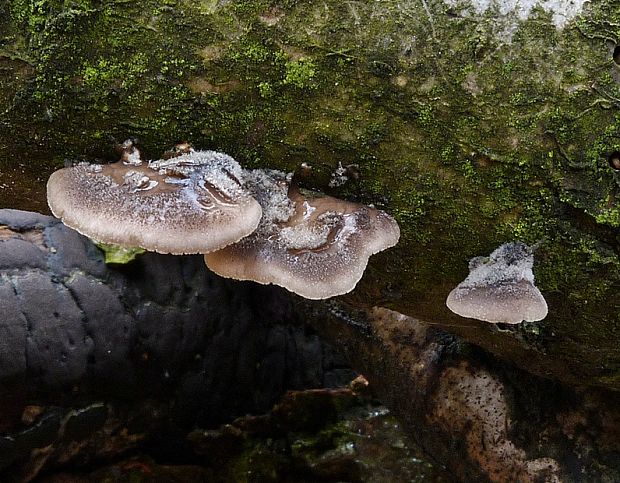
[315,247]
[500,289]
[193,203]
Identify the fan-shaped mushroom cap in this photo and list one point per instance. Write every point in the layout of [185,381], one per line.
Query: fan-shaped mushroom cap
[315,247]
[193,203]
[500,289]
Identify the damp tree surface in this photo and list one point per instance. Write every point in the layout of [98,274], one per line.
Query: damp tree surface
[161,349]
[472,126]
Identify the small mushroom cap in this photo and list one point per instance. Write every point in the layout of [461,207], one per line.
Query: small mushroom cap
[508,303]
[500,289]
[193,203]
[315,247]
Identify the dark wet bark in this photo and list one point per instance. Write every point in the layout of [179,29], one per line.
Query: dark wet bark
[478,417]
[95,359]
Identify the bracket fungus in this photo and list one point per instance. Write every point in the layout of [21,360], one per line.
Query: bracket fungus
[250,225]
[316,247]
[500,288]
[194,202]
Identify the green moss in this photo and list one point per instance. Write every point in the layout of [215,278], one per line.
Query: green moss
[608,217]
[265,90]
[105,74]
[301,73]
[253,52]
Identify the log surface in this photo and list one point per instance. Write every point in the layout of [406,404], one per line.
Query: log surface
[107,357]
[473,125]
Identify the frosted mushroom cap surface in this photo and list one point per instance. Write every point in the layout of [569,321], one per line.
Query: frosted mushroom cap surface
[500,289]
[315,247]
[193,203]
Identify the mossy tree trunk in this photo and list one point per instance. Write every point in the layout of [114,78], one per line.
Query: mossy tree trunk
[472,127]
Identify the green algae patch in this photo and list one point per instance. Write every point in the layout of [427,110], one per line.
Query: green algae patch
[117,255]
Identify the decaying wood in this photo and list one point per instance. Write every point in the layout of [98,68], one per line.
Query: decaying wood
[473,414]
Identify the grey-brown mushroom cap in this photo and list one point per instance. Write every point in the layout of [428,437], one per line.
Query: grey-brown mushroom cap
[319,250]
[508,303]
[500,288]
[193,203]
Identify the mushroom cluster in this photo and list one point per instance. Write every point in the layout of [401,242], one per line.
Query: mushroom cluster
[317,247]
[500,288]
[251,225]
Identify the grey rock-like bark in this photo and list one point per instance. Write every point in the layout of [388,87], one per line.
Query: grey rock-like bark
[158,339]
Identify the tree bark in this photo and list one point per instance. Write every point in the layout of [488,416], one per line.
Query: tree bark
[474,415]
[94,360]
[474,126]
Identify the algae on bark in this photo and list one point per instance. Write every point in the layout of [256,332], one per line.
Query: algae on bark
[472,127]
